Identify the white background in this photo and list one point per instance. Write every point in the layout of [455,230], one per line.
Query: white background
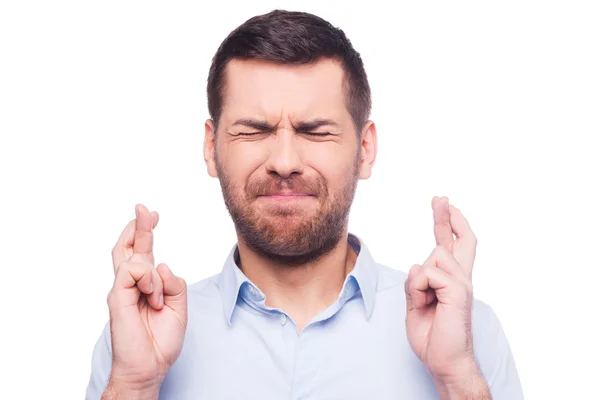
[497,106]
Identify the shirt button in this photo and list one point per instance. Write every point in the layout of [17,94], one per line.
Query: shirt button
[283,319]
[252,290]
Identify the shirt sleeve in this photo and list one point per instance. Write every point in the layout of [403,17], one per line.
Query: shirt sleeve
[101,366]
[494,355]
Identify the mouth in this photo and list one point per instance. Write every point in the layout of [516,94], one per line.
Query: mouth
[286,196]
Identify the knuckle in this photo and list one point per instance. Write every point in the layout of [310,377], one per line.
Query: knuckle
[427,269]
[468,287]
[163,267]
[408,283]
[413,270]
[111,299]
[183,283]
[440,250]
[125,266]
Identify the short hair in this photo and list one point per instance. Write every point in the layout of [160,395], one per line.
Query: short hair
[291,38]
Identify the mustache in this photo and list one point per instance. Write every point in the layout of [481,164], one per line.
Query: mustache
[295,184]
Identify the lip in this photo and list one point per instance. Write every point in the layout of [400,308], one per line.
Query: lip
[287,193]
[286,196]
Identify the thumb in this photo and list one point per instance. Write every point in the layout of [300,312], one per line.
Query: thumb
[174,289]
[417,289]
[409,298]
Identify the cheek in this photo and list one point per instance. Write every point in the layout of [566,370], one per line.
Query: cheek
[335,166]
[241,160]
[332,161]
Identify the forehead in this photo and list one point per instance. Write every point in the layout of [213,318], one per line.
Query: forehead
[269,90]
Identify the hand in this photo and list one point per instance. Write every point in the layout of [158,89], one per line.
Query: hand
[148,311]
[439,297]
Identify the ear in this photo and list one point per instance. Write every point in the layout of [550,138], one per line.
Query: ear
[368,149]
[209,148]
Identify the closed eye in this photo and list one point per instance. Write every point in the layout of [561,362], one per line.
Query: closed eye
[316,133]
[250,133]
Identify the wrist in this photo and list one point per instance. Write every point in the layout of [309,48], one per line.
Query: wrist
[119,388]
[466,382]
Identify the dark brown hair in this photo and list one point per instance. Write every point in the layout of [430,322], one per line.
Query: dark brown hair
[291,38]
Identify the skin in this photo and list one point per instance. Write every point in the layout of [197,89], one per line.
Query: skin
[289,193]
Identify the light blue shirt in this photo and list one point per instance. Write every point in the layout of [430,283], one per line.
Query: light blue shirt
[236,347]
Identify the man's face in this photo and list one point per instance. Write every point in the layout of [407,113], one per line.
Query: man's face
[287,156]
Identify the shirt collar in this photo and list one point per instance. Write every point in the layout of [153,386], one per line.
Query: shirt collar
[365,273]
[363,278]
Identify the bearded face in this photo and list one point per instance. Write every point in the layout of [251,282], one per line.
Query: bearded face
[288,156]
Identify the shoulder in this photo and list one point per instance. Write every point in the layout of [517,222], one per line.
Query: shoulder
[205,301]
[204,294]
[205,287]
[389,278]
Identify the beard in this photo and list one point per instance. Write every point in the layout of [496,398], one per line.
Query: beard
[284,234]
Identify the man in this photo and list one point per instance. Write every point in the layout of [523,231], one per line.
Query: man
[300,310]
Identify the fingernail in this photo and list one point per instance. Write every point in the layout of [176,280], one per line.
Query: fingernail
[411,303]
[160,300]
[151,287]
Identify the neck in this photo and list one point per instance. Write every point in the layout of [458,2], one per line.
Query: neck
[301,291]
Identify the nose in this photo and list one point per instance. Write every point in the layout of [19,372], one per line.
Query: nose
[284,159]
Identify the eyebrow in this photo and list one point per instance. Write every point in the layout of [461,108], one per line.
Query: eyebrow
[252,123]
[314,124]
[302,126]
